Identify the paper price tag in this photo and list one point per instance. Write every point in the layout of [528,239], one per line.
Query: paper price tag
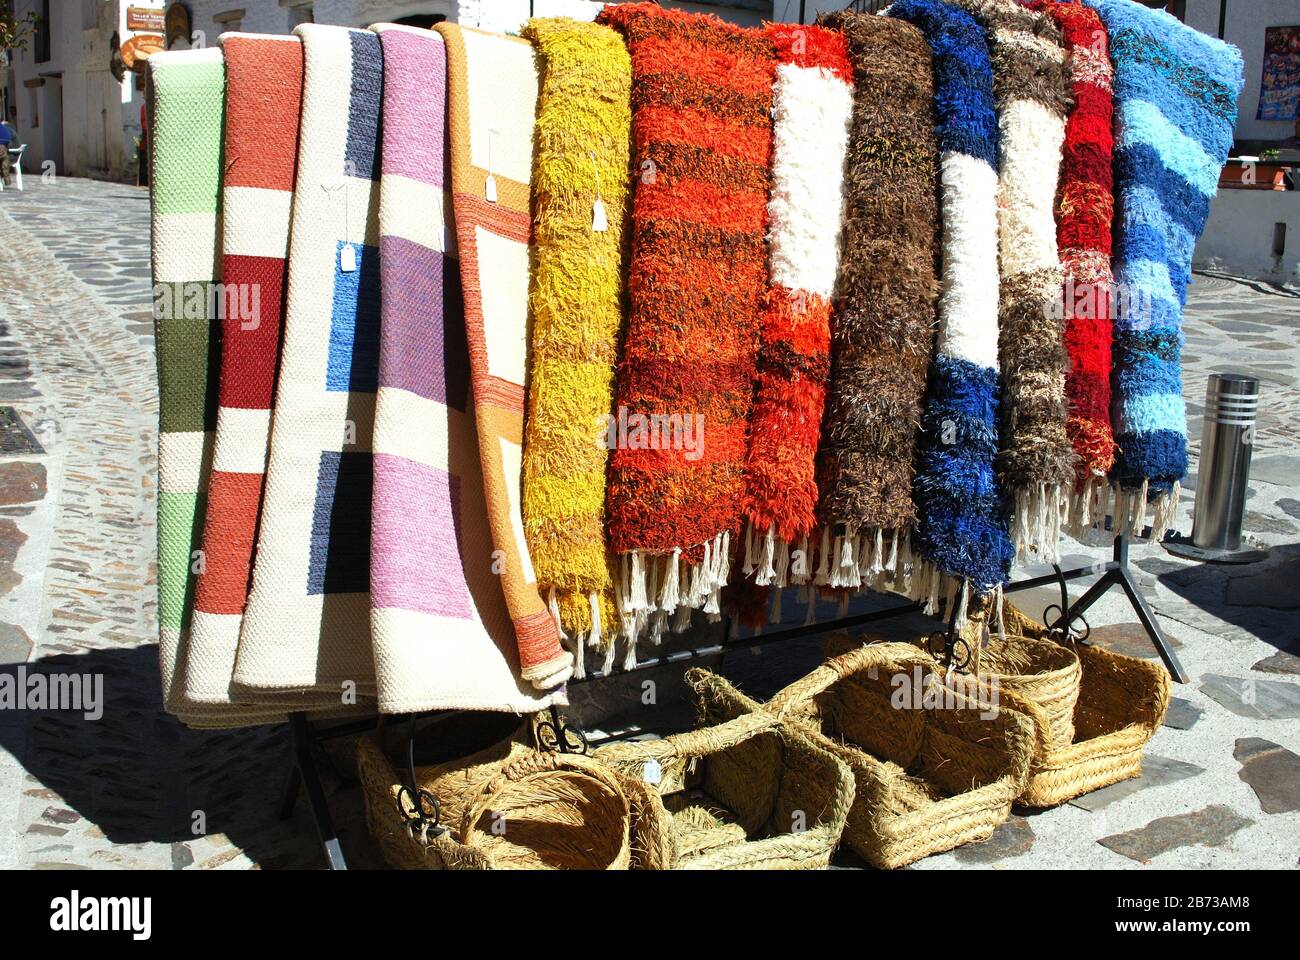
[652,773]
[599,218]
[348,258]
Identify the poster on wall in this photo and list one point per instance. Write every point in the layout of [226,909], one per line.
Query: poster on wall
[1279,91]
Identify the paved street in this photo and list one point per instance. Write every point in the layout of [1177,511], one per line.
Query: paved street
[134,788]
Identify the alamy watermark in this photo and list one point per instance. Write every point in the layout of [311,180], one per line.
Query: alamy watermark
[923,689]
[1091,301]
[85,914]
[75,692]
[209,301]
[655,431]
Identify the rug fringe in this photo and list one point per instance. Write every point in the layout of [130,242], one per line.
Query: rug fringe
[801,571]
[1037,519]
[766,572]
[594,635]
[1087,506]
[1166,511]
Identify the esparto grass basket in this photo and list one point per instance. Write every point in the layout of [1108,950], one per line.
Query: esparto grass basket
[1121,704]
[1031,667]
[930,775]
[511,806]
[743,790]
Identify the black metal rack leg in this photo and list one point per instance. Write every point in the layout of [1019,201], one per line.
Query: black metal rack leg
[1117,573]
[292,787]
[1148,618]
[300,730]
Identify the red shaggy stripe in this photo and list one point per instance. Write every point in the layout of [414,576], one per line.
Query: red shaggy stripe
[1085,208]
[703,61]
[696,128]
[700,203]
[788,406]
[804,46]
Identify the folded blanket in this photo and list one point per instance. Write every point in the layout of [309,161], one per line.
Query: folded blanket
[1175,105]
[961,533]
[884,320]
[812,102]
[442,635]
[580,197]
[492,98]
[702,134]
[185,189]
[307,624]
[1084,209]
[185,193]
[1031,82]
[263,95]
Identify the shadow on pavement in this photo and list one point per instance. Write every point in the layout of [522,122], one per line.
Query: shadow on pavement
[1258,600]
[141,777]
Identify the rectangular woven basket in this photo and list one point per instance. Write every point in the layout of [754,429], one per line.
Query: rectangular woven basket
[1122,702]
[928,780]
[744,790]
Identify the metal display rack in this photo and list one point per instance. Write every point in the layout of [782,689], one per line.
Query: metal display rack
[304,776]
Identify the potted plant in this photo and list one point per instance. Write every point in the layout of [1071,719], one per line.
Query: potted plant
[1263,172]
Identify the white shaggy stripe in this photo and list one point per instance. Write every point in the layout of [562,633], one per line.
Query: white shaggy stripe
[1038,46]
[811,108]
[968,301]
[1032,137]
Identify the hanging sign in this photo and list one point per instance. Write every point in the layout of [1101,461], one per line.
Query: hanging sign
[178,24]
[140,48]
[146,19]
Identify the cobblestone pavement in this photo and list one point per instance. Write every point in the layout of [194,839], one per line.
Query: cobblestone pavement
[1221,786]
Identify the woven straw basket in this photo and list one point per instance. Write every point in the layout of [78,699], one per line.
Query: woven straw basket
[1121,704]
[512,807]
[744,791]
[928,780]
[1032,668]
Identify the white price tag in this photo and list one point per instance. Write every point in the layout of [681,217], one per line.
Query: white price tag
[651,773]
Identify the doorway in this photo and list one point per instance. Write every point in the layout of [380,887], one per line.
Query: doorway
[52,116]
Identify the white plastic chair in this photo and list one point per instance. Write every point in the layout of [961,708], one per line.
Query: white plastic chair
[16,159]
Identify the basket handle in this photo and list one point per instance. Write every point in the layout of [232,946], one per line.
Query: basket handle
[526,766]
[837,668]
[708,740]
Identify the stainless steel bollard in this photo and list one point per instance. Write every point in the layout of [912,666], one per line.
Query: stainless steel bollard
[1227,435]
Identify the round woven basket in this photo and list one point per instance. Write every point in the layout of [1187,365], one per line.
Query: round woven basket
[1120,704]
[511,807]
[1037,671]
[551,811]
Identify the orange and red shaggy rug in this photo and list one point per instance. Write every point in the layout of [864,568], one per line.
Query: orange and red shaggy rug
[701,145]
